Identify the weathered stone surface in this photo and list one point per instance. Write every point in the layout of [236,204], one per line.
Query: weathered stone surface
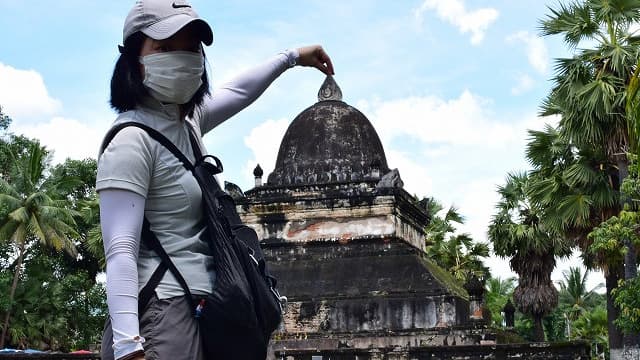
[363,269]
[539,351]
[311,213]
[329,142]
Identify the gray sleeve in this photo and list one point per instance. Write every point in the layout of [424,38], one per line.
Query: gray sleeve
[127,162]
[234,96]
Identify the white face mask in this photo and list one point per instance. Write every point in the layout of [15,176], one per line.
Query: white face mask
[173,77]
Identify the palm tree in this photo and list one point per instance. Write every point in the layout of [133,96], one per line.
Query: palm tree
[517,232]
[456,253]
[498,292]
[31,213]
[90,212]
[590,95]
[573,187]
[574,293]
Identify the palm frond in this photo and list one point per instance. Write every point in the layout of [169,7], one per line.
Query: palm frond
[574,21]
[580,174]
[576,209]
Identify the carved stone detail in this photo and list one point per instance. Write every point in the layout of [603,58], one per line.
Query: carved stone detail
[329,90]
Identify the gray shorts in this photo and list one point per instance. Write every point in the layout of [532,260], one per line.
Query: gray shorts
[169,329]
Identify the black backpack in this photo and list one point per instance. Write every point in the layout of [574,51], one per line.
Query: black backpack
[237,319]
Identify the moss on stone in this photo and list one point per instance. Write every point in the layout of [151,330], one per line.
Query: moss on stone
[444,278]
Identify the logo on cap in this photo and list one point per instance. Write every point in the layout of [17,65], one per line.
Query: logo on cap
[176,6]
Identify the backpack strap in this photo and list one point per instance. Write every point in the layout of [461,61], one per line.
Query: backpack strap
[149,237]
[147,291]
[201,159]
[156,135]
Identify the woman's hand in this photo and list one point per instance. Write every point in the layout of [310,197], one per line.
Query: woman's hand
[315,56]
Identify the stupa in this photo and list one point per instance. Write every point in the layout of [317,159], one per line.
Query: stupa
[346,241]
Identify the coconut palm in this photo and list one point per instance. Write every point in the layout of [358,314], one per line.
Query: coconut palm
[30,212]
[90,212]
[517,232]
[498,292]
[575,295]
[573,291]
[456,253]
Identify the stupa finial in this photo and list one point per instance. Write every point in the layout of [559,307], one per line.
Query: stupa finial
[329,90]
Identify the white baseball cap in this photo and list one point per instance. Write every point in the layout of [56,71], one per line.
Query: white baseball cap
[161,19]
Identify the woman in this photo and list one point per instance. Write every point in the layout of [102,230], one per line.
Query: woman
[160,81]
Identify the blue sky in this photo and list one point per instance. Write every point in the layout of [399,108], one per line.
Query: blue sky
[450,85]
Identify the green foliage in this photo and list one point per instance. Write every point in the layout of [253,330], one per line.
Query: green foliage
[47,277]
[631,184]
[627,299]
[555,325]
[5,120]
[609,237]
[581,314]
[633,113]
[456,253]
[525,328]
[575,298]
[75,182]
[54,307]
[592,327]
[498,292]
[570,186]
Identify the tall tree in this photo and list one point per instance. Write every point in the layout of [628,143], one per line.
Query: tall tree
[517,232]
[31,212]
[589,91]
[573,188]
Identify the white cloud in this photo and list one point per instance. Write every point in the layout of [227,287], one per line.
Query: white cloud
[264,142]
[536,50]
[68,138]
[475,22]
[466,120]
[23,94]
[414,175]
[524,84]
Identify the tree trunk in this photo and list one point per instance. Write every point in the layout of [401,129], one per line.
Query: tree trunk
[12,292]
[615,335]
[630,266]
[538,329]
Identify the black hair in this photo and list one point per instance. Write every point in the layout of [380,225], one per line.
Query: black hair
[127,90]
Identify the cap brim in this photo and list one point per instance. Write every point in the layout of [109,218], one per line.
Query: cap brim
[168,27]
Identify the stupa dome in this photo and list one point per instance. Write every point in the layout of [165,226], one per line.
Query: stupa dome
[330,141]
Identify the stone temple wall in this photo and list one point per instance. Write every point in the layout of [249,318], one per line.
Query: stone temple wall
[537,351]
